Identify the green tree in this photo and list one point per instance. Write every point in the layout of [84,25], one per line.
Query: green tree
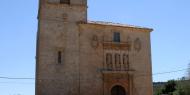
[179,88]
[183,87]
[186,87]
[170,87]
[158,86]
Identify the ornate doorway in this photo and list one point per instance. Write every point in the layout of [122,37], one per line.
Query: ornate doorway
[118,90]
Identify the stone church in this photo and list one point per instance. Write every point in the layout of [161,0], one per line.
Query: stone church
[80,57]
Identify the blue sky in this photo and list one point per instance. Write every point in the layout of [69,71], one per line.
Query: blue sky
[170,20]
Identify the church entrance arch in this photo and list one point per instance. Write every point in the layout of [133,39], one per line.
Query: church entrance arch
[118,90]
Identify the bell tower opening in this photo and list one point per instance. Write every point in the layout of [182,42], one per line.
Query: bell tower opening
[118,90]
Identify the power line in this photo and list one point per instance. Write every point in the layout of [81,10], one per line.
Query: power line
[17,78]
[22,78]
[17,82]
[170,72]
[162,73]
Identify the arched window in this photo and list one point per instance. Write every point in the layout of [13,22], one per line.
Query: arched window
[109,61]
[117,62]
[126,61]
[65,1]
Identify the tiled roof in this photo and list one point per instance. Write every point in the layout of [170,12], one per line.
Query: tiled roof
[117,24]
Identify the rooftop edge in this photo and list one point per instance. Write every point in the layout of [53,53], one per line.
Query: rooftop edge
[116,24]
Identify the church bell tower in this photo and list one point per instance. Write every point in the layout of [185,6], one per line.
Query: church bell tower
[57,60]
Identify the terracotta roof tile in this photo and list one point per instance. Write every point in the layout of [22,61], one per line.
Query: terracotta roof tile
[117,24]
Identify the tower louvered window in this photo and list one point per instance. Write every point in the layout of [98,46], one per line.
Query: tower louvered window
[65,1]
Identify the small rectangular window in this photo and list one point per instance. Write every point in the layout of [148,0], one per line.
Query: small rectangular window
[59,58]
[65,1]
[116,37]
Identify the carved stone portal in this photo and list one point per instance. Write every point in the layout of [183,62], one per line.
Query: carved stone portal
[112,79]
